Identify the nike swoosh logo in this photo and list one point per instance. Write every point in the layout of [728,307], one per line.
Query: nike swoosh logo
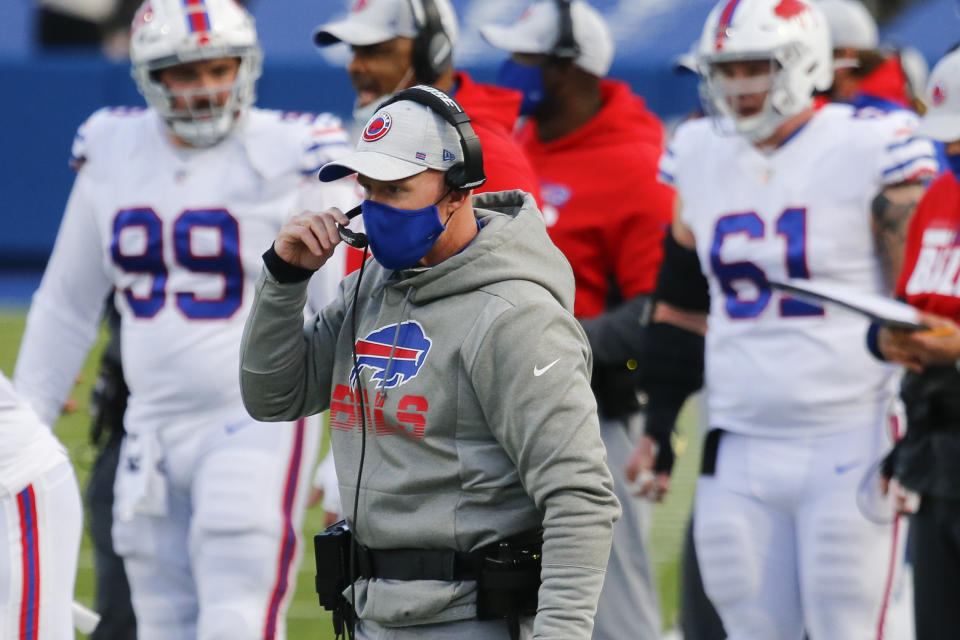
[843,468]
[537,372]
[233,427]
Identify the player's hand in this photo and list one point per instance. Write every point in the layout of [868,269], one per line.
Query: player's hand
[641,479]
[308,240]
[937,346]
[891,343]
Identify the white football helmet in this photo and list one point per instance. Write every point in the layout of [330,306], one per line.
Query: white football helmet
[171,32]
[792,35]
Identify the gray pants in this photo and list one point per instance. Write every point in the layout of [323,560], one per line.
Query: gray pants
[629,606]
[459,630]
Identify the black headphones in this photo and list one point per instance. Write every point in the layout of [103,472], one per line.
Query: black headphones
[462,176]
[566,46]
[432,48]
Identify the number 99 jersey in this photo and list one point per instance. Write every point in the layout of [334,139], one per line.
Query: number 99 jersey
[776,365]
[178,234]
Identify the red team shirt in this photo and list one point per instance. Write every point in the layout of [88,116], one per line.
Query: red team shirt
[929,280]
[493,113]
[604,208]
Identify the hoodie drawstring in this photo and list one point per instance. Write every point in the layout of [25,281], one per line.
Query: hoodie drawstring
[393,347]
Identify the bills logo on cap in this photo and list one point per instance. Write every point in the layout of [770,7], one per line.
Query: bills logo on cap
[378,127]
[403,364]
[938,95]
[359,5]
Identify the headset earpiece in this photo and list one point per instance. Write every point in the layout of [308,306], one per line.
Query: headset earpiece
[465,175]
[432,54]
[566,46]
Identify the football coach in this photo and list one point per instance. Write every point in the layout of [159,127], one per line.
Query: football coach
[464,429]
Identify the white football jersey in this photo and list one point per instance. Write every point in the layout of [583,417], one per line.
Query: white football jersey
[776,365]
[178,235]
[27,446]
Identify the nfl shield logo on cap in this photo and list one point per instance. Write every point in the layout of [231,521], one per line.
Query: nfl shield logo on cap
[377,127]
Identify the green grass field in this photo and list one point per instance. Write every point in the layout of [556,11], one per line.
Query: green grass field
[306,620]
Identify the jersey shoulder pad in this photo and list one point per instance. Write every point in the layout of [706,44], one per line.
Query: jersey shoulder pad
[280,142]
[99,134]
[904,156]
[688,136]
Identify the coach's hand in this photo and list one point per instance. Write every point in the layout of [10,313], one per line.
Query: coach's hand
[644,477]
[308,240]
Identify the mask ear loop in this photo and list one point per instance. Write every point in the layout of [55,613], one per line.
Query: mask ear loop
[363,440]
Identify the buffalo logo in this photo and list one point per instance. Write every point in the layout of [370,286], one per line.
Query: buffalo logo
[938,95]
[394,356]
[378,127]
[359,5]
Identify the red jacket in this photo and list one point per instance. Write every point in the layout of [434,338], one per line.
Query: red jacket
[603,205]
[932,260]
[493,113]
[887,82]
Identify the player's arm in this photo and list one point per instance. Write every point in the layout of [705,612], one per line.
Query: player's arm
[672,358]
[286,369]
[904,165]
[64,317]
[891,212]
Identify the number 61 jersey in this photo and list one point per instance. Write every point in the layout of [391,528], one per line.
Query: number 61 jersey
[178,234]
[777,366]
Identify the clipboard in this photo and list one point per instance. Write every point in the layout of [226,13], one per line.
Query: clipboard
[886,311]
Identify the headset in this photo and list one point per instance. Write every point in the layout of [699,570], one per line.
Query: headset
[462,176]
[432,48]
[566,46]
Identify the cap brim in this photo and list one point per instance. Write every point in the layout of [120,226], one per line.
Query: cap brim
[372,164]
[512,39]
[350,31]
[939,127]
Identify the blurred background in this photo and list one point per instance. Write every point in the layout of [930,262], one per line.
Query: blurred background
[60,60]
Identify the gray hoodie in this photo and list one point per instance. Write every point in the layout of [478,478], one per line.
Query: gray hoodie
[480,419]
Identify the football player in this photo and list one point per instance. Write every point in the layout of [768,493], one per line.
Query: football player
[171,208]
[769,189]
[41,523]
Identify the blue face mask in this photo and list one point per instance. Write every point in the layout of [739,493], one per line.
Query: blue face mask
[399,238]
[954,163]
[525,79]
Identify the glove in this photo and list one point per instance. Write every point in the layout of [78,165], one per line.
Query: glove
[671,369]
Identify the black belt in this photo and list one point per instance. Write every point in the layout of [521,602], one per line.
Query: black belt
[417,564]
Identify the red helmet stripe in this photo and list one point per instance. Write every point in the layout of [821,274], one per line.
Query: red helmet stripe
[725,18]
[199,20]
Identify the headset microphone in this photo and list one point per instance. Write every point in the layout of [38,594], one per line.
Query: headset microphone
[356,239]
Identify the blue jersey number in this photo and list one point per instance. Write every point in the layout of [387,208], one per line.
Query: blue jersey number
[226,263]
[792,225]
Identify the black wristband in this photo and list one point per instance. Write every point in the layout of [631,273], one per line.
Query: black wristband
[282,270]
[873,341]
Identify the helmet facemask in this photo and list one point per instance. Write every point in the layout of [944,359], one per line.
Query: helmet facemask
[199,125]
[784,95]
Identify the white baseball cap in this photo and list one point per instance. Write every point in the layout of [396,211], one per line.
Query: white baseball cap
[374,21]
[851,25]
[942,118]
[538,28]
[400,140]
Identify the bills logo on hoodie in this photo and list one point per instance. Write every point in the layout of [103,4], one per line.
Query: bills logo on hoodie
[392,366]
